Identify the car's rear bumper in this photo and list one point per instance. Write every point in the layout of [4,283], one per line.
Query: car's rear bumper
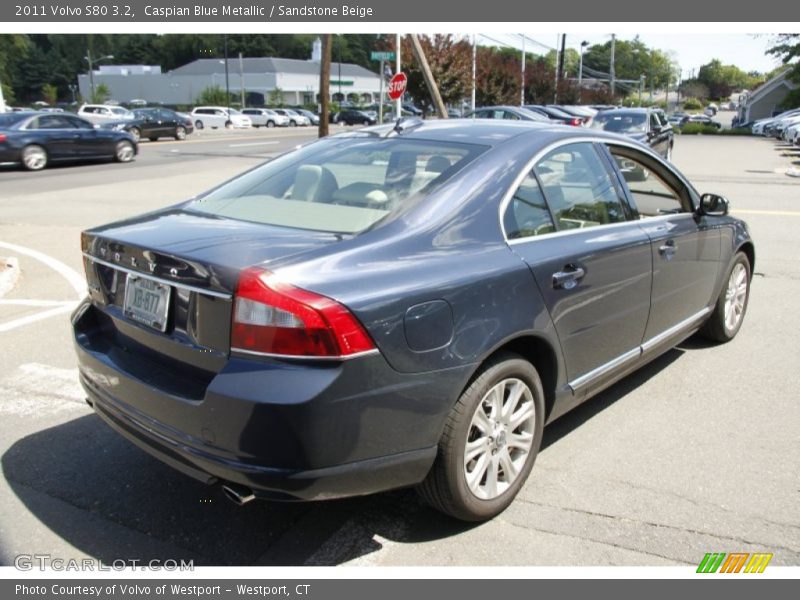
[285,430]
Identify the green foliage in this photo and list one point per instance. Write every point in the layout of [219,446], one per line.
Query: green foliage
[692,104]
[101,93]
[50,93]
[702,129]
[450,61]
[213,96]
[787,48]
[722,80]
[275,98]
[633,58]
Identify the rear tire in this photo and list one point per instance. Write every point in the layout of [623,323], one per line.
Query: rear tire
[34,157]
[292,124]
[270,124]
[490,442]
[726,320]
[134,131]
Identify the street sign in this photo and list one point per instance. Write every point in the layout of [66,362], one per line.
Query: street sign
[397,86]
[381,55]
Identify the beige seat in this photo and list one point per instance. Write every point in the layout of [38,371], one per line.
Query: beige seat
[313,183]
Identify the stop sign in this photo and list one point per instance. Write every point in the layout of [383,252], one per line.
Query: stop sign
[397,86]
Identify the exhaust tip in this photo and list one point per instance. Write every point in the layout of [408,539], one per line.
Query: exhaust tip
[238,494]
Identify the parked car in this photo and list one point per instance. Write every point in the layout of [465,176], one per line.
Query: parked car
[219,116]
[314,119]
[265,117]
[404,307]
[646,125]
[792,134]
[352,116]
[154,123]
[37,139]
[702,120]
[760,125]
[295,119]
[777,128]
[104,113]
[555,114]
[678,119]
[584,112]
[507,113]
[414,110]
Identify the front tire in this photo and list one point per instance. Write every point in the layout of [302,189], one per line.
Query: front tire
[726,320]
[198,124]
[134,131]
[490,442]
[124,152]
[270,124]
[34,157]
[180,133]
[292,124]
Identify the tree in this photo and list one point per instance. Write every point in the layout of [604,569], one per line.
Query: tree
[275,97]
[212,96]
[632,59]
[694,88]
[50,93]
[497,77]
[787,48]
[722,80]
[450,61]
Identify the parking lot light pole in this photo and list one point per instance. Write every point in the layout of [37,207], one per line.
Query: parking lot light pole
[88,59]
[580,72]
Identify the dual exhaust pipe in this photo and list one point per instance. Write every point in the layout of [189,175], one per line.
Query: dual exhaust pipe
[238,494]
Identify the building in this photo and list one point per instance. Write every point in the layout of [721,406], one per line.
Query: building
[764,101]
[263,81]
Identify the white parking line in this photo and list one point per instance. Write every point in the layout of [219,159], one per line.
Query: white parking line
[37,303]
[253,144]
[46,314]
[73,277]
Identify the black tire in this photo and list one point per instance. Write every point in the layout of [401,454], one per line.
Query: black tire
[270,124]
[446,488]
[720,327]
[198,124]
[292,123]
[180,133]
[124,151]
[34,157]
[228,125]
[153,139]
[134,131]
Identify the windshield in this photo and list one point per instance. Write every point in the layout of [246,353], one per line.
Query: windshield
[340,185]
[621,122]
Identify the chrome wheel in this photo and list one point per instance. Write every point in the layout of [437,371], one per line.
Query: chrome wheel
[34,158]
[499,438]
[124,152]
[180,133]
[735,296]
[134,131]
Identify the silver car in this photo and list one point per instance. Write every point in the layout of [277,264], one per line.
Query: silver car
[265,117]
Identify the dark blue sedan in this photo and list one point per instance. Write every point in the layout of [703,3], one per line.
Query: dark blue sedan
[35,140]
[400,306]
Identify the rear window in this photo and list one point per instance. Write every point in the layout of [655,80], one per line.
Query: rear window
[340,185]
[9,119]
[621,122]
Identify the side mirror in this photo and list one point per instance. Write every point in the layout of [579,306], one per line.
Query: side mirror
[713,205]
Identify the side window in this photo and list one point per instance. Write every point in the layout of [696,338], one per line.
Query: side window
[527,214]
[510,116]
[654,122]
[651,194]
[77,123]
[52,122]
[579,188]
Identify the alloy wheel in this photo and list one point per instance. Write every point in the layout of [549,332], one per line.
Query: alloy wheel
[735,296]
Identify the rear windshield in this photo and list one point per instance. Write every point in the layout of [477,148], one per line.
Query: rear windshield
[620,122]
[339,185]
[9,119]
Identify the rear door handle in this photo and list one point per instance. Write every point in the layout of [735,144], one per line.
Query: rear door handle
[568,278]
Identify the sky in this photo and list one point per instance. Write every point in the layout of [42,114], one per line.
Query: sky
[691,50]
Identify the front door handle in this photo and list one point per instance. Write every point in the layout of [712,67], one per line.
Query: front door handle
[667,250]
[568,278]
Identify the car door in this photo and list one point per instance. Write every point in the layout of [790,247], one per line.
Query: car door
[685,246]
[89,142]
[569,221]
[56,135]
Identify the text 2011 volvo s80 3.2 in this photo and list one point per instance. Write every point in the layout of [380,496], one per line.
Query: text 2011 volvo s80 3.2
[400,306]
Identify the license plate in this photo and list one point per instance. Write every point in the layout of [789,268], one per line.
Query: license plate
[146,302]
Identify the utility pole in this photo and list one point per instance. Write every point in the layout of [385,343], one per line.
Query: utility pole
[430,82]
[555,89]
[561,58]
[474,63]
[325,84]
[91,74]
[580,72]
[241,76]
[522,87]
[227,80]
[611,67]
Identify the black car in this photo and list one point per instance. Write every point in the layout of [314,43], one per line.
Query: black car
[507,113]
[701,120]
[403,305]
[646,125]
[154,123]
[36,139]
[351,116]
[555,114]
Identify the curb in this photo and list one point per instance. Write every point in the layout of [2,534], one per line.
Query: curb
[9,275]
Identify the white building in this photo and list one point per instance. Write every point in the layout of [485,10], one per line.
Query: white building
[264,80]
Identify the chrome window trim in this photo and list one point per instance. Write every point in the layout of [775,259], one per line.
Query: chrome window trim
[566,142]
[176,284]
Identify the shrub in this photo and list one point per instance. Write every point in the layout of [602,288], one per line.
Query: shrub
[692,104]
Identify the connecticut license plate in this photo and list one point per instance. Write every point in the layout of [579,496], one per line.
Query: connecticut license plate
[146,302]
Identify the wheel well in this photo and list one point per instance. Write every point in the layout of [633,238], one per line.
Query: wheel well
[541,355]
[750,252]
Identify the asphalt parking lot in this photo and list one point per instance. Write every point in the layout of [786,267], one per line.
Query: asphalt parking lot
[696,453]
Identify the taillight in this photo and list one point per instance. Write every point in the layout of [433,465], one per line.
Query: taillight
[273,317]
[575,122]
[3,137]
